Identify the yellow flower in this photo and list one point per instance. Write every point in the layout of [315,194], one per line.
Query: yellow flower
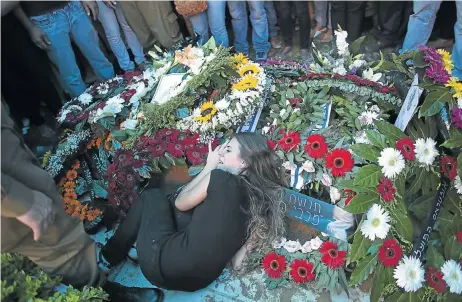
[248,69]
[247,82]
[240,59]
[208,110]
[446,56]
[455,84]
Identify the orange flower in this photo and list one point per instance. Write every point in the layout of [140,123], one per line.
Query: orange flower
[76,165]
[69,184]
[69,210]
[71,174]
[66,190]
[67,200]
[93,214]
[107,143]
[70,195]
[98,142]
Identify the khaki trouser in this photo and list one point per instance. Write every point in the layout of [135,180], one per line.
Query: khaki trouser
[64,250]
[152,21]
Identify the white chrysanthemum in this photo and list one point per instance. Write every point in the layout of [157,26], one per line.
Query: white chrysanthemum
[452,274]
[334,194]
[425,151]
[222,104]
[376,223]
[278,243]
[308,166]
[85,98]
[316,243]
[326,180]
[409,274]
[458,184]
[292,246]
[367,118]
[392,162]
[306,248]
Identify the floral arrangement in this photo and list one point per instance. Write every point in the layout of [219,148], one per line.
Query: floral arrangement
[233,108]
[316,261]
[399,168]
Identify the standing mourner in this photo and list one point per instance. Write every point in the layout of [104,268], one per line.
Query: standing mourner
[272,25]
[111,16]
[350,16]
[51,25]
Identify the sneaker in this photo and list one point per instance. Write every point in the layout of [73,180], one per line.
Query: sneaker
[118,292]
[276,43]
[141,66]
[306,56]
[261,56]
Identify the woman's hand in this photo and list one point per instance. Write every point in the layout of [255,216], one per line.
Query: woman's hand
[213,158]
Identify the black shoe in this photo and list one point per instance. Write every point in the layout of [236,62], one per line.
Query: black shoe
[119,293]
[378,45]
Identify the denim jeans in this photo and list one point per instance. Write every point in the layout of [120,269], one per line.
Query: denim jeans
[111,19]
[322,13]
[272,18]
[238,11]
[59,25]
[215,17]
[420,27]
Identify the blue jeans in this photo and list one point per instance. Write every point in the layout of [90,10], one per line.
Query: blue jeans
[111,19]
[215,17]
[272,18]
[59,25]
[238,11]
[420,27]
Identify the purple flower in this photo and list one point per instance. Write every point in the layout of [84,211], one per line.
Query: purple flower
[437,72]
[353,70]
[457,117]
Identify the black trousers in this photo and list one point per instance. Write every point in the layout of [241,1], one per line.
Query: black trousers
[393,18]
[153,222]
[287,25]
[350,16]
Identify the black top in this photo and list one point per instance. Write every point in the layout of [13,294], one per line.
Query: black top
[218,229]
[37,8]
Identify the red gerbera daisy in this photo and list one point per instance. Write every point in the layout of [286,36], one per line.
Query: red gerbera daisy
[175,149]
[435,279]
[349,196]
[386,190]
[406,146]
[274,265]
[157,149]
[449,167]
[459,236]
[289,141]
[331,256]
[316,146]
[339,161]
[295,102]
[302,271]
[172,135]
[390,253]
[271,144]
[194,156]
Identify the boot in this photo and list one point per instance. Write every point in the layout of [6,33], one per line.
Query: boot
[119,293]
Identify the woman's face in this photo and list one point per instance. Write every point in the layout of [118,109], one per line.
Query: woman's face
[230,156]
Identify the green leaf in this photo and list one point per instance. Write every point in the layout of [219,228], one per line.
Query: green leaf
[453,143]
[417,128]
[434,258]
[382,277]
[434,102]
[391,132]
[363,269]
[289,94]
[359,246]
[404,297]
[107,122]
[368,176]
[459,165]
[376,139]
[422,206]
[416,185]
[452,248]
[290,157]
[403,224]
[366,151]
[343,281]
[361,203]
[356,45]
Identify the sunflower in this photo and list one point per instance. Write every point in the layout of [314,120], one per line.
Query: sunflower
[239,59]
[446,56]
[248,69]
[455,84]
[247,82]
[207,110]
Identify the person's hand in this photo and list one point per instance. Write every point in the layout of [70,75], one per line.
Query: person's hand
[91,8]
[39,38]
[213,158]
[110,4]
[40,216]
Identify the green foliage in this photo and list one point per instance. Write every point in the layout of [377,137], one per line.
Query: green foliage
[23,281]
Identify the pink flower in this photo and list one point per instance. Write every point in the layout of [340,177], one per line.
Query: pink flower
[457,117]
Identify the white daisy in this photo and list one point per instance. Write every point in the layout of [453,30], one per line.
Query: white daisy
[85,98]
[458,184]
[368,117]
[222,104]
[392,162]
[452,274]
[278,243]
[425,151]
[409,274]
[376,224]
[292,246]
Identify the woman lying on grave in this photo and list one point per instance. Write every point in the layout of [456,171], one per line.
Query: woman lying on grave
[237,198]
